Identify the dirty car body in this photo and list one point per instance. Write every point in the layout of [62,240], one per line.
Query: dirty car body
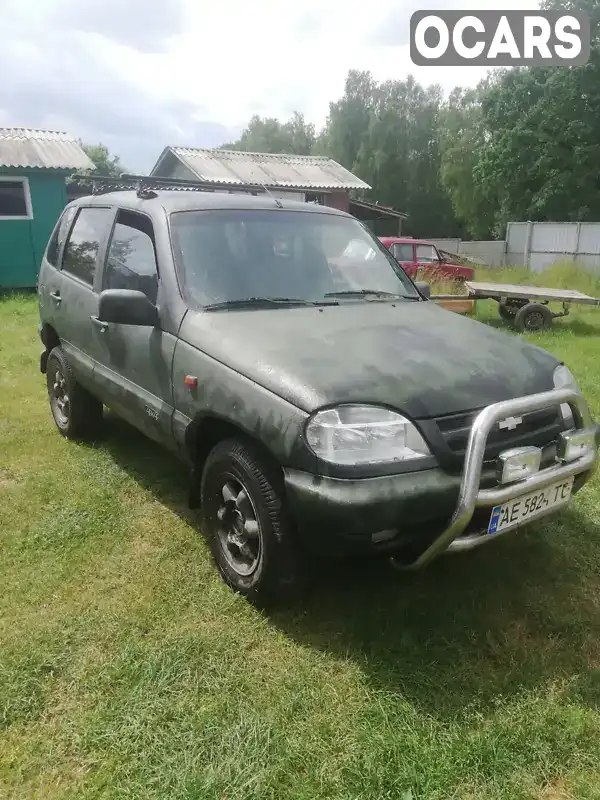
[317,396]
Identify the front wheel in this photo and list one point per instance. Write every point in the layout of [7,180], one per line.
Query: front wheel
[246,523]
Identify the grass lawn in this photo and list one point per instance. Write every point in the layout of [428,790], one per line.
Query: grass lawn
[128,670]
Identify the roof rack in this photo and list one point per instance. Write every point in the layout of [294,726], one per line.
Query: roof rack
[145,186]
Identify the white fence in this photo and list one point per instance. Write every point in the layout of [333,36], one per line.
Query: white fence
[490,253]
[540,244]
[536,245]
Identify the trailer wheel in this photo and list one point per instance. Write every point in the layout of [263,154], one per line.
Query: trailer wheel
[533,317]
[508,310]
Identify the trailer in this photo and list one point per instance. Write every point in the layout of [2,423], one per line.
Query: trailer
[525,307]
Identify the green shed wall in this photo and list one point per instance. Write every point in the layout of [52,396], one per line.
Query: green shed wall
[23,241]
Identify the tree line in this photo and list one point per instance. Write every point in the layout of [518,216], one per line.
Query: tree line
[523,145]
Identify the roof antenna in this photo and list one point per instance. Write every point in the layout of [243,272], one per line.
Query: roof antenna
[276,200]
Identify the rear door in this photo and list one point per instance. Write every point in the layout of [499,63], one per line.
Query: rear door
[77,300]
[133,370]
[49,279]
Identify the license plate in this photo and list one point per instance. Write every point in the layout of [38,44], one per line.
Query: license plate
[528,506]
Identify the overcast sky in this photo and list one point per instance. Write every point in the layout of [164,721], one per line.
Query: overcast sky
[141,74]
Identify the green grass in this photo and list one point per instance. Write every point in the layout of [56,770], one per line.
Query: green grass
[127,670]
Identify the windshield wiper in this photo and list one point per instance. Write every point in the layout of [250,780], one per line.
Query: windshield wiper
[376,292]
[251,302]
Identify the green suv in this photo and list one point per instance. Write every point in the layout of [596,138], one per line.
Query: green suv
[323,402]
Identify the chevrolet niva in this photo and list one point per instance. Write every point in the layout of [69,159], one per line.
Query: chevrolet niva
[323,402]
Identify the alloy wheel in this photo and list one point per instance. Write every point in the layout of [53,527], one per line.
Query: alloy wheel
[238,529]
[59,399]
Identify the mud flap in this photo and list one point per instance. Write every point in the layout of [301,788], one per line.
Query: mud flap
[194,500]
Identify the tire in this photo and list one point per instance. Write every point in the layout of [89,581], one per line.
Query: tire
[510,309]
[246,523]
[77,413]
[533,318]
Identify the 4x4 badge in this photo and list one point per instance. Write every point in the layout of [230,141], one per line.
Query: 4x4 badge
[510,423]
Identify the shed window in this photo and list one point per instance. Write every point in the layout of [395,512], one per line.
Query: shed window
[14,198]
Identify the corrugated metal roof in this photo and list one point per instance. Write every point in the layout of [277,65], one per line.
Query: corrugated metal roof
[26,147]
[274,170]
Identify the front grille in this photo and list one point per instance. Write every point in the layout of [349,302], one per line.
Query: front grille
[449,434]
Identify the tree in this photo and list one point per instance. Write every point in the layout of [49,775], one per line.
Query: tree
[106,164]
[269,135]
[349,118]
[464,136]
[532,143]
[388,134]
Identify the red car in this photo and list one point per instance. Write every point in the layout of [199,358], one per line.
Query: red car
[417,255]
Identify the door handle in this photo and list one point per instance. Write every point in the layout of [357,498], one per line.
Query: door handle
[99,324]
[56,297]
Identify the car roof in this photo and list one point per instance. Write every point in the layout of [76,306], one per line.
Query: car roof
[174,200]
[404,240]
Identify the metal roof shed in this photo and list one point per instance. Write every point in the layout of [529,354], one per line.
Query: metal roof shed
[375,213]
[33,167]
[312,177]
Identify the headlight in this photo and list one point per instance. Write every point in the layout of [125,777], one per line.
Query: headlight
[563,379]
[354,434]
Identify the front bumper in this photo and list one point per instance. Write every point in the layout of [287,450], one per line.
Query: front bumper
[426,513]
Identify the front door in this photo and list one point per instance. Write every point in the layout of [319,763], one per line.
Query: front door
[75,299]
[428,260]
[133,369]
[404,253]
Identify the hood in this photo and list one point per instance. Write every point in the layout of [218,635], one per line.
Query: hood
[415,357]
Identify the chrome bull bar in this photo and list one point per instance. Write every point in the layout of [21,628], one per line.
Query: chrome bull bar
[471,496]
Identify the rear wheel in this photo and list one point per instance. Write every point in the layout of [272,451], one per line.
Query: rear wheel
[533,318]
[77,413]
[246,523]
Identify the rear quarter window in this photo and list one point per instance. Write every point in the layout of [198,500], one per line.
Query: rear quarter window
[59,236]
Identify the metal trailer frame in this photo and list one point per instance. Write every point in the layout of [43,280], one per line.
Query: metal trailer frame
[525,307]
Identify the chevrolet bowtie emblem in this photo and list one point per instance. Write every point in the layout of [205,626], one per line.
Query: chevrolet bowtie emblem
[510,423]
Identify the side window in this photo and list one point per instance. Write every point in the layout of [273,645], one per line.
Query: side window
[402,252]
[60,234]
[131,262]
[426,252]
[87,235]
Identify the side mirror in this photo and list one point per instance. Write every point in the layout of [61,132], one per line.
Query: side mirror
[127,307]
[424,288]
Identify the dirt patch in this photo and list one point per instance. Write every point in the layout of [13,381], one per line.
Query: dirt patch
[8,479]
[556,791]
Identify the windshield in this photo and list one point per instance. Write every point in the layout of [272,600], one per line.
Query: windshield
[227,255]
